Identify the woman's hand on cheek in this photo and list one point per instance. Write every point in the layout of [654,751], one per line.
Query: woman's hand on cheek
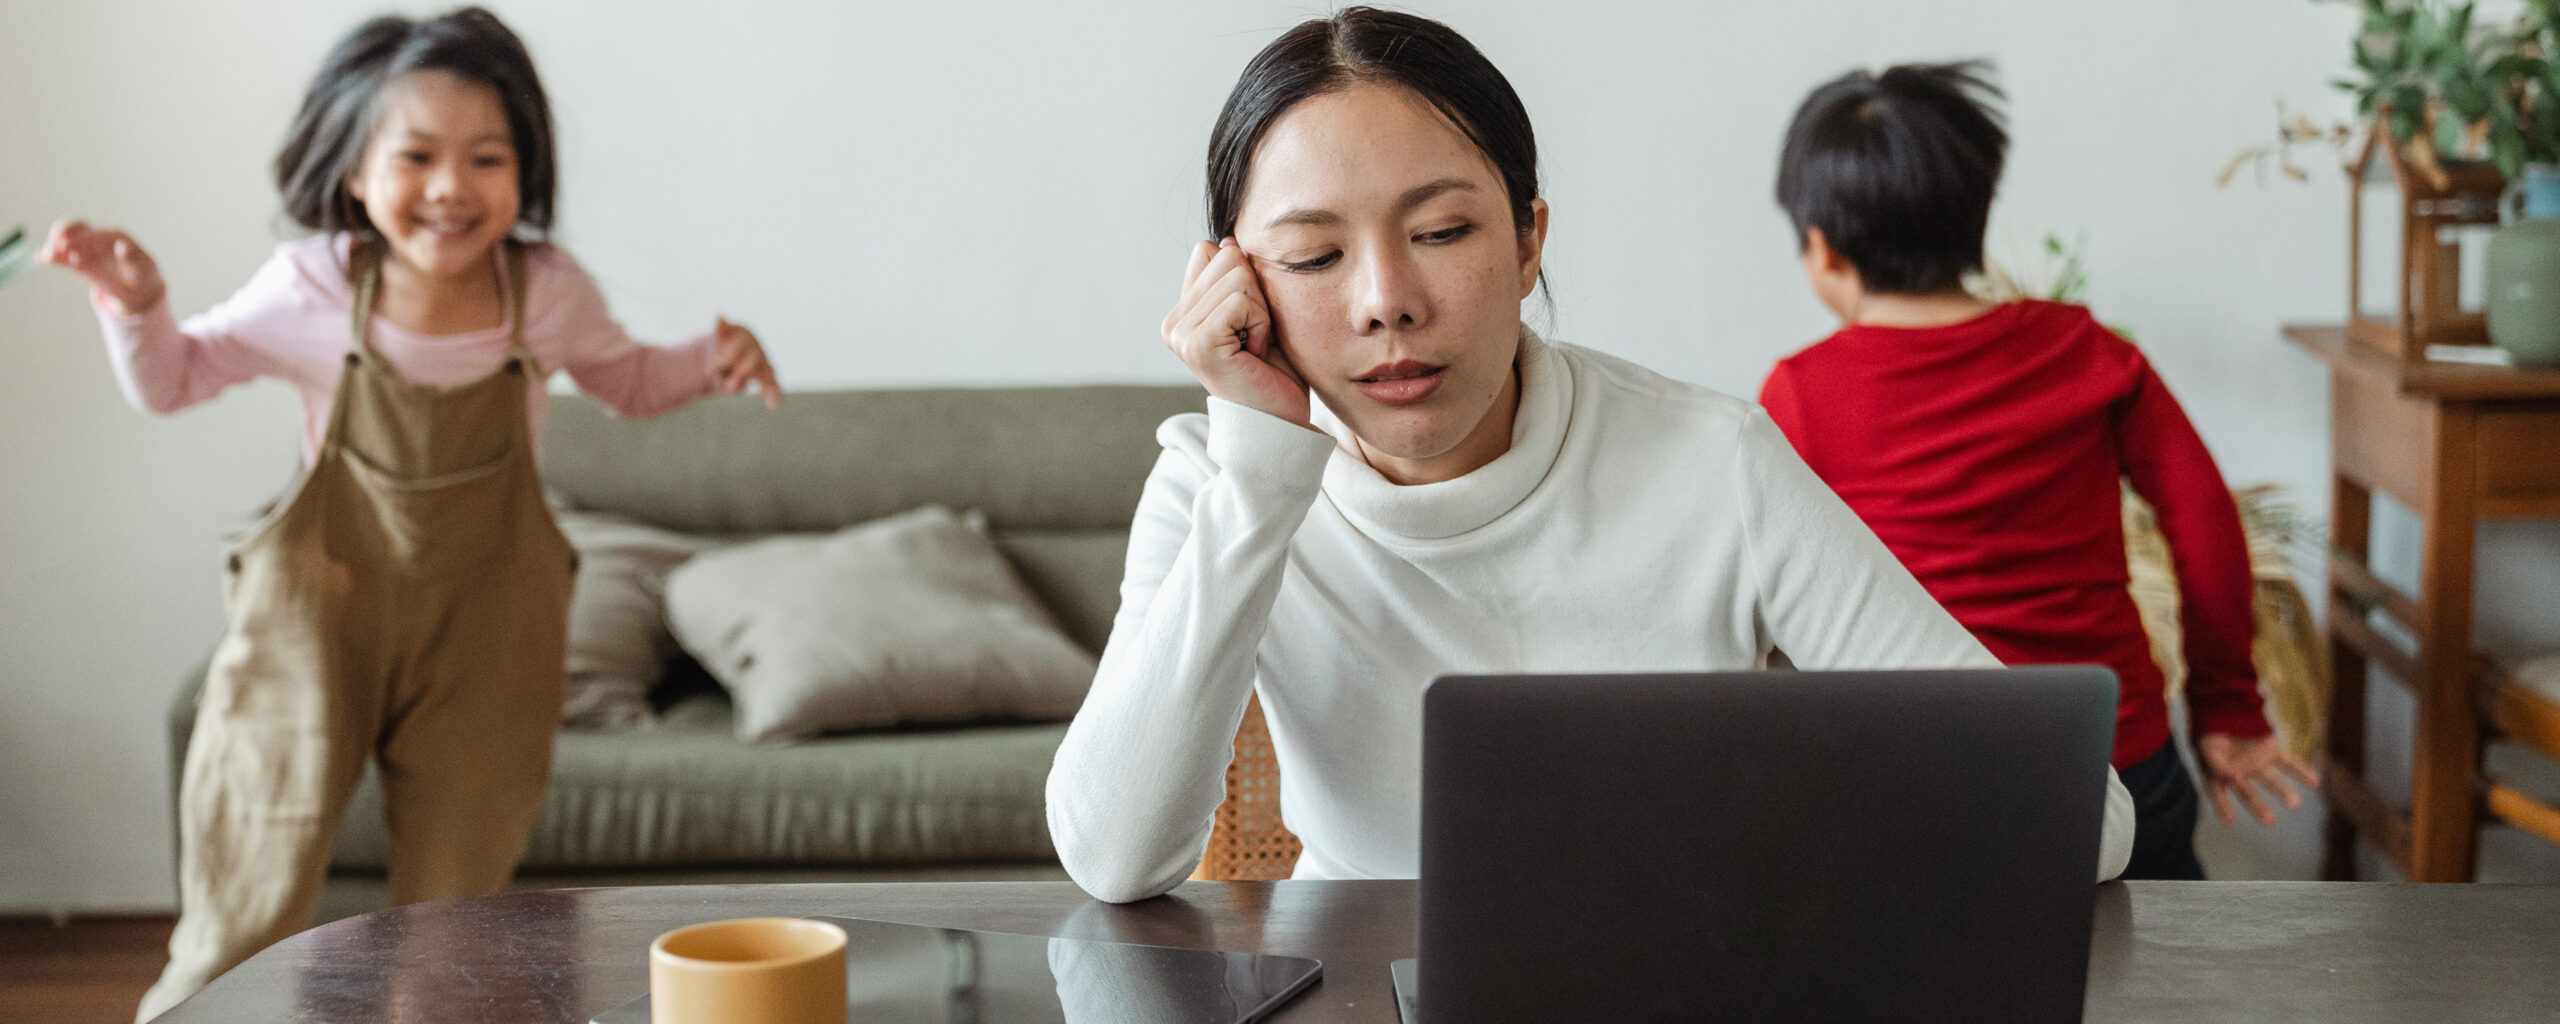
[1221,328]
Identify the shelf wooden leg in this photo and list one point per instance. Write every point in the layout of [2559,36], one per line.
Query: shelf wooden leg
[2350,522]
[2445,762]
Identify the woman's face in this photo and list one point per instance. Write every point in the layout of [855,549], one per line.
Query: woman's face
[1385,244]
[439,177]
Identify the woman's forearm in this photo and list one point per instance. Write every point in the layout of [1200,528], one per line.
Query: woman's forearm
[1140,773]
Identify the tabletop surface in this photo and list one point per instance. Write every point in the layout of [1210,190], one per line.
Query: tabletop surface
[2262,952]
[2426,378]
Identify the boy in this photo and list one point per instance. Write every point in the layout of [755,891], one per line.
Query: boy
[1985,444]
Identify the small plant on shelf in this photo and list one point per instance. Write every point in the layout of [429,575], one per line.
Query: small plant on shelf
[2443,85]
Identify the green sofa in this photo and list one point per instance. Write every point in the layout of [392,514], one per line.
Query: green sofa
[1056,470]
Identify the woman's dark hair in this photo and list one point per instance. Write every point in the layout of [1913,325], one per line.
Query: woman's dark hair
[336,122]
[1364,44]
[1898,171]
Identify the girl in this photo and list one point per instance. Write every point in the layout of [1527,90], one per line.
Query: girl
[409,600]
[1397,480]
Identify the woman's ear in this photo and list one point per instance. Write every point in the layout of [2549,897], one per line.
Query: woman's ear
[1533,246]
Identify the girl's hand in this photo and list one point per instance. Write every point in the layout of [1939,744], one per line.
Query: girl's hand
[737,360]
[1221,327]
[114,265]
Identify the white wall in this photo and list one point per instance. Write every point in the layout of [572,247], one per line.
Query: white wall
[1001,193]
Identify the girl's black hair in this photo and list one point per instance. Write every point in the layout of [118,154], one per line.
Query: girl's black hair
[336,122]
[1898,171]
[1364,44]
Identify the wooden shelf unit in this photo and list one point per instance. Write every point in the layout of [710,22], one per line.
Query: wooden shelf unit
[2456,443]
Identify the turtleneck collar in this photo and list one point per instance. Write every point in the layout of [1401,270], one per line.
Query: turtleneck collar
[1439,511]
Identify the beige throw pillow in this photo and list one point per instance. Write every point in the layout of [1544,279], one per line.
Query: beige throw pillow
[618,638]
[912,618]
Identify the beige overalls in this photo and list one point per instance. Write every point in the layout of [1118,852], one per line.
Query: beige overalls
[409,603]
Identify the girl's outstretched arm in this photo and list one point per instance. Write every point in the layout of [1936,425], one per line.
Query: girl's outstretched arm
[123,277]
[629,377]
[161,365]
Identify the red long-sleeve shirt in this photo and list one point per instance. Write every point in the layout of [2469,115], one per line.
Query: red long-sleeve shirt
[1988,455]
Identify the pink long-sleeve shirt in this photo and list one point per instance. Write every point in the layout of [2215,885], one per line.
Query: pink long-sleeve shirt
[290,322]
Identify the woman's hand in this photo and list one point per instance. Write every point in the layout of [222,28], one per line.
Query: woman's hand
[737,360]
[1221,327]
[113,264]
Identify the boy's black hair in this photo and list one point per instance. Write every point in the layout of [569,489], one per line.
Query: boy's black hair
[327,142]
[1898,170]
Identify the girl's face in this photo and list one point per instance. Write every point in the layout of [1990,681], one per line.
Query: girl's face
[1384,242]
[439,178]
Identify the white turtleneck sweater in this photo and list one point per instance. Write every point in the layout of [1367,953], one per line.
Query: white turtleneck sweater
[1637,524]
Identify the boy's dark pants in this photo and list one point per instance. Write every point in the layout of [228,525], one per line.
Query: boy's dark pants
[2164,818]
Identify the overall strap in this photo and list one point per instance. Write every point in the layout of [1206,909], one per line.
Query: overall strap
[517,286]
[364,272]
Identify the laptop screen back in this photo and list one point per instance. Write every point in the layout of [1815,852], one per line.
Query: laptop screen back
[1782,846]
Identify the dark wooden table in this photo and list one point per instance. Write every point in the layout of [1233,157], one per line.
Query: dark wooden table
[2263,953]
[2455,443]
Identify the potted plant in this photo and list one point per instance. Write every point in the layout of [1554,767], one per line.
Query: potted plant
[2455,119]
[2430,73]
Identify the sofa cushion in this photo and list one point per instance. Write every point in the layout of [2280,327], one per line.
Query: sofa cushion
[1050,458]
[915,618]
[618,638]
[688,793]
[1075,574]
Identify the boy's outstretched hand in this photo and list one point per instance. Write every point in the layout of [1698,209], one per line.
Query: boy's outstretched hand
[2243,766]
[737,360]
[112,262]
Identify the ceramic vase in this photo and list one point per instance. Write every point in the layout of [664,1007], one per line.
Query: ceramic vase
[2524,271]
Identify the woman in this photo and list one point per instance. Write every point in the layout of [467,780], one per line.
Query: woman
[1396,480]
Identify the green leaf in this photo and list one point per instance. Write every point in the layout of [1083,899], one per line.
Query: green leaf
[2372,64]
[2424,36]
[2466,99]
[2512,66]
[2404,123]
[2506,147]
[2448,138]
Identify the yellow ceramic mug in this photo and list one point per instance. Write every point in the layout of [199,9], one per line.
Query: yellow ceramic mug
[756,970]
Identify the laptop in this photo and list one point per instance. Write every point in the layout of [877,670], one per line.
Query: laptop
[1764,846]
